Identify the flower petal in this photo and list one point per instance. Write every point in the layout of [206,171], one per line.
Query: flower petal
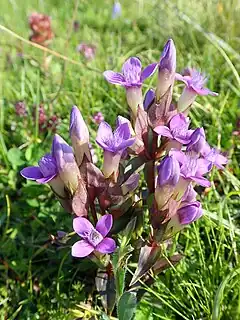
[31,173]
[179,77]
[179,121]
[46,179]
[204,166]
[132,71]
[148,71]
[163,131]
[104,224]
[82,249]
[125,144]
[201,181]
[179,155]
[203,91]
[104,135]
[114,77]
[82,226]
[148,99]
[108,245]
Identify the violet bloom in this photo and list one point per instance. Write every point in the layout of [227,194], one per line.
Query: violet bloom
[20,108]
[198,141]
[93,239]
[113,144]
[79,135]
[192,168]
[98,117]
[189,195]
[214,156]
[116,10]
[166,69]
[148,99]
[45,172]
[168,176]
[131,79]
[194,86]
[188,213]
[66,164]
[87,50]
[178,129]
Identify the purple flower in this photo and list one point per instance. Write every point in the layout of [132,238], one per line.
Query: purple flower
[116,10]
[98,117]
[148,99]
[198,141]
[214,156]
[192,168]
[189,212]
[166,69]
[131,78]
[20,108]
[87,50]
[79,135]
[116,141]
[113,144]
[168,176]
[66,164]
[195,83]
[45,172]
[178,129]
[93,238]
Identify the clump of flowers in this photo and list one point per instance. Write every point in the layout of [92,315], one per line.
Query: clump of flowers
[98,117]
[20,109]
[127,210]
[40,25]
[87,50]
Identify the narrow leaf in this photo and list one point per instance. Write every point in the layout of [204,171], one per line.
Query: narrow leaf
[127,306]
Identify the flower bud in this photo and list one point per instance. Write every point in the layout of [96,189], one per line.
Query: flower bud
[166,69]
[168,176]
[148,99]
[79,135]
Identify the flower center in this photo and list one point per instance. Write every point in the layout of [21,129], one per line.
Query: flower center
[94,237]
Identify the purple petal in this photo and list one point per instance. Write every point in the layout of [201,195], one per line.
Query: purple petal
[203,91]
[78,126]
[179,155]
[122,132]
[108,245]
[82,227]
[201,181]
[204,166]
[46,179]
[48,166]
[31,173]
[148,71]
[62,152]
[163,131]
[190,212]
[148,99]
[104,135]
[82,249]
[168,57]
[125,144]
[220,160]
[132,71]
[104,224]
[179,77]
[114,77]
[179,121]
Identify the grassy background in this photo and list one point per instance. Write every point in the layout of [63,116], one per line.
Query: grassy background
[37,279]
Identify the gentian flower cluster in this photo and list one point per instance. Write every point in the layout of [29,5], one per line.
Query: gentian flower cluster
[151,163]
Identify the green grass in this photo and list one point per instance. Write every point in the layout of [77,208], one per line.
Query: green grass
[37,279]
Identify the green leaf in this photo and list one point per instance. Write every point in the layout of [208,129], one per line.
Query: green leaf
[127,306]
[15,157]
[127,233]
[33,203]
